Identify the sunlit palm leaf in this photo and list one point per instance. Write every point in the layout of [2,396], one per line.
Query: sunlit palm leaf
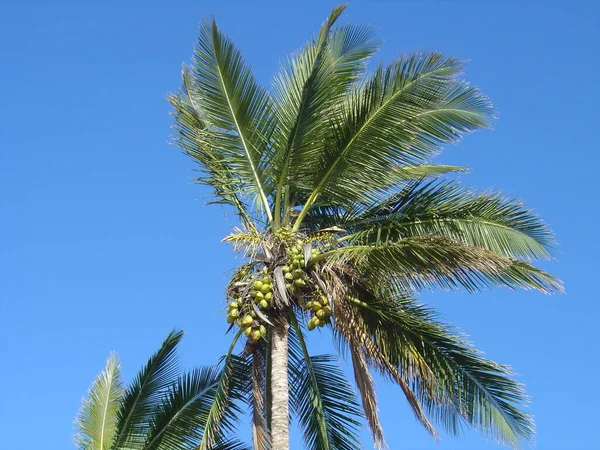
[179,421]
[195,140]
[223,412]
[237,111]
[453,380]
[97,419]
[422,262]
[144,394]
[401,116]
[486,220]
[307,87]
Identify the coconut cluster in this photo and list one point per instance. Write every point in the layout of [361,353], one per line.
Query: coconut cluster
[249,322]
[262,291]
[295,272]
[321,312]
[252,295]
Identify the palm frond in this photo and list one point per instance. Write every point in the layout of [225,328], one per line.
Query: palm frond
[366,387]
[307,86]
[97,420]
[145,392]
[401,116]
[488,220]
[230,444]
[416,263]
[179,421]
[223,412]
[460,386]
[237,111]
[193,137]
[321,398]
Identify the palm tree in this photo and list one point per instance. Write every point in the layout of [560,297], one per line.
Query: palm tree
[344,219]
[159,410]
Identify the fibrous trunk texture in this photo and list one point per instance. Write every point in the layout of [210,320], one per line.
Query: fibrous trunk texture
[280,436]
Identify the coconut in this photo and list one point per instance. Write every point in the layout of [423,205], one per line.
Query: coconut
[309,304]
[327,310]
[259,296]
[299,282]
[247,320]
[248,331]
[239,323]
[234,313]
[311,325]
[266,288]
[257,285]
[323,299]
[230,319]
[289,276]
[298,273]
[253,293]
[268,296]
[321,314]
[263,330]
[316,306]
[285,269]
[234,305]
[256,335]
[264,304]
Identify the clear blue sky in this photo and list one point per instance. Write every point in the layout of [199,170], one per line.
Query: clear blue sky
[107,244]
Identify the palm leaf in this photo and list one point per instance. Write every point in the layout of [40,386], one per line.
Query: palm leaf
[401,116]
[179,421]
[421,262]
[366,387]
[454,382]
[236,109]
[194,138]
[487,220]
[321,398]
[311,83]
[223,412]
[144,394]
[97,419]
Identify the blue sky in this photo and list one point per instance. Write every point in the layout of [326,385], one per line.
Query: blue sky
[107,244]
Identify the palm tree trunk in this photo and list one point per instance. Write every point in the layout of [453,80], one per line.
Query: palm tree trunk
[280,433]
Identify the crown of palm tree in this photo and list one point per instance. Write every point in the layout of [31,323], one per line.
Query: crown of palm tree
[344,219]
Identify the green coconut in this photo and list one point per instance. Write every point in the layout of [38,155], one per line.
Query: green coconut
[298,273]
[248,331]
[265,289]
[264,304]
[256,335]
[247,320]
[234,313]
[299,282]
[321,314]
[268,296]
[257,285]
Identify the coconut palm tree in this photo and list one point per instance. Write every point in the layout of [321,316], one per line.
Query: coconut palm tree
[343,220]
[159,410]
